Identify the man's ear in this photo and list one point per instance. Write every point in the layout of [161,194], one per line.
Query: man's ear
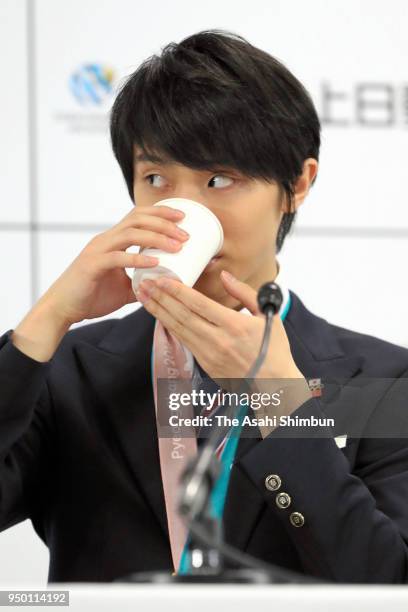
[302,184]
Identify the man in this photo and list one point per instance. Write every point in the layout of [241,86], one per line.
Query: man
[79,445]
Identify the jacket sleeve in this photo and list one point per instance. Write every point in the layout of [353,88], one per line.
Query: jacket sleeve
[346,527]
[26,434]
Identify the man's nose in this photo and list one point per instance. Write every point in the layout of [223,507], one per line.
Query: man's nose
[191,189]
[194,194]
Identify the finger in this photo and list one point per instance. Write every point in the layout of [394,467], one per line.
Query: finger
[139,237]
[241,291]
[189,332]
[120,259]
[157,224]
[166,212]
[198,303]
[182,315]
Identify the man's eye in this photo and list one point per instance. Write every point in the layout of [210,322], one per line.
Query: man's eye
[149,176]
[222,176]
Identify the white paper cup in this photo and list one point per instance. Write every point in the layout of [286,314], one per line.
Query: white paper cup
[205,241]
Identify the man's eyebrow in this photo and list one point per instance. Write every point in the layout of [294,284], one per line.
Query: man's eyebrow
[143,157]
[156,159]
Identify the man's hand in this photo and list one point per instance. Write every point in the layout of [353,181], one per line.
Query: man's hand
[225,342]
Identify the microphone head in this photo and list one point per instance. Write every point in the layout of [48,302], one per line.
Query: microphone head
[270,297]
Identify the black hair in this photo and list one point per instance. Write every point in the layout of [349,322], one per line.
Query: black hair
[214,99]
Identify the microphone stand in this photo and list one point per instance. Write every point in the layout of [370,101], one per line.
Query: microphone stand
[206,546]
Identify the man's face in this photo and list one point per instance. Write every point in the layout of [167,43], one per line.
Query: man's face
[249,211]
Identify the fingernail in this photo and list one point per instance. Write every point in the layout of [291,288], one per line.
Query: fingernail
[163,282]
[147,286]
[148,259]
[228,276]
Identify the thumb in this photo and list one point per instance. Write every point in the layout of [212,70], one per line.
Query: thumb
[241,291]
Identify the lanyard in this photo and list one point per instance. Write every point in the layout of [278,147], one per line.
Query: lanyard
[219,492]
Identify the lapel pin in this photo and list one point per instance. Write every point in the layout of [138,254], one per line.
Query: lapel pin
[316,386]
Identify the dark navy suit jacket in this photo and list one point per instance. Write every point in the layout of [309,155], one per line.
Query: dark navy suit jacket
[79,457]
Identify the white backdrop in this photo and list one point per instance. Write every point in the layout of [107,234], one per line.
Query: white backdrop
[60,183]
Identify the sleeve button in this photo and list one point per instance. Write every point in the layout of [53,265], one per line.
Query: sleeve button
[283,500]
[297,519]
[273,482]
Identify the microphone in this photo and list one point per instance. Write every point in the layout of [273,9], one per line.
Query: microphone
[199,478]
[270,298]
[201,475]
